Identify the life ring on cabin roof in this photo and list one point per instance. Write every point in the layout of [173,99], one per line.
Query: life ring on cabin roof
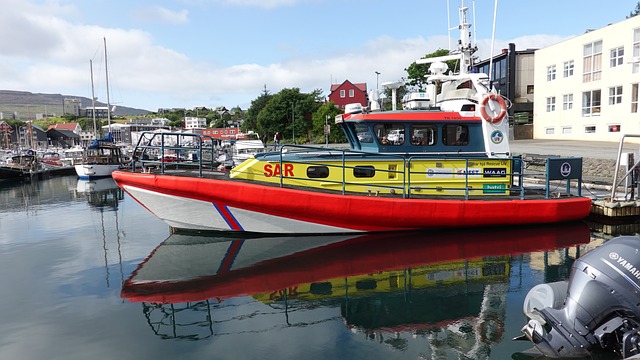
[501,103]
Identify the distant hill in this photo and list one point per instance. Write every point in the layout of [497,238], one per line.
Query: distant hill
[28,104]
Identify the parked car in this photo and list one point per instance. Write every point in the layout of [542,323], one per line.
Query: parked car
[396,136]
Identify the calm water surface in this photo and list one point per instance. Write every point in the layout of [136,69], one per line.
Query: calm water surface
[88,273]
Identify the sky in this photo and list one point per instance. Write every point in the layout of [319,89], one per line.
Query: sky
[192,53]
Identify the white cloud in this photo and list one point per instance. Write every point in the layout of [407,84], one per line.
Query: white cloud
[266,4]
[161,14]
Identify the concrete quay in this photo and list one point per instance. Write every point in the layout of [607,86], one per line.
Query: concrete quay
[598,157]
[598,169]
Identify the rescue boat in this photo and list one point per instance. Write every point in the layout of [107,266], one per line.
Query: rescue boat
[443,160]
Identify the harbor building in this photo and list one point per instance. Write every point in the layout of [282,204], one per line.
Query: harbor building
[586,87]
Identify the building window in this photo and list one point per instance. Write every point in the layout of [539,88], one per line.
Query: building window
[615,95]
[550,131]
[551,104]
[529,89]
[614,128]
[592,61]
[636,50]
[634,98]
[590,129]
[591,103]
[568,68]
[351,93]
[551,72]
[343,93]
[567,101]
[617,56]
[566,130]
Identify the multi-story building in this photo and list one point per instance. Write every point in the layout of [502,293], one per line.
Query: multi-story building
[512,74]
[586,87]
[192,122]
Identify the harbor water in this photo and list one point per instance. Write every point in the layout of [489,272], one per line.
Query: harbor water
[88,273]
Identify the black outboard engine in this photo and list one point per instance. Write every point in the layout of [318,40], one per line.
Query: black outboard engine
[601,311]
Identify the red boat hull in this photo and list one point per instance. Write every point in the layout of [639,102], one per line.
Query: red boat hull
[221,204]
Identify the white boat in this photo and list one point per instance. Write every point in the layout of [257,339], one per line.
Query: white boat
[246,146]
[103,156]
[100,160]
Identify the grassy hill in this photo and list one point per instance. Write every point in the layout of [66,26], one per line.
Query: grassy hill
[27,105]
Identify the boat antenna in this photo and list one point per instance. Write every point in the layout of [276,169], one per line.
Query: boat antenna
[493,38]
[106,70]
[93,102]
[475,24]
[449,24]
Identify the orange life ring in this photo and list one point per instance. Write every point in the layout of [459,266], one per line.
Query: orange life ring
[501,103]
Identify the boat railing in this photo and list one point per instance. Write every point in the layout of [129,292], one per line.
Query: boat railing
[343,167]
[152,147]
[157,149]
[632,174]
[404,172]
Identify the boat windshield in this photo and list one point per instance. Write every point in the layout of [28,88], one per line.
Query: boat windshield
[362,132]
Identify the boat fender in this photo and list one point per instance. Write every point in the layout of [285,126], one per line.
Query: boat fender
[501,103]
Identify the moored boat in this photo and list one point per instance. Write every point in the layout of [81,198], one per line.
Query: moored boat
[442,161]
[22,165]
[246,146]
[100,159]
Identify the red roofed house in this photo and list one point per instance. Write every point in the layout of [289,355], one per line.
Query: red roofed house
[349,93]
[75,127]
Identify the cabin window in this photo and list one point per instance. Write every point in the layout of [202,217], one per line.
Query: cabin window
[317,172]
[362,132]
[455,135]
[364,171]
[423,135]
[389,134]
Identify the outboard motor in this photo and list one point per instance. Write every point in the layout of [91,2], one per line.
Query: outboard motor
[601,311]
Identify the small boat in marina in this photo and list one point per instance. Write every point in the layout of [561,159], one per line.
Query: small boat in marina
[246,146]
[22,165]
[100,159]
[443,161]
[103,156]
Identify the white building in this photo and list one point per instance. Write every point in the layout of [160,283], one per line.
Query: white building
[586,88]
[191,122]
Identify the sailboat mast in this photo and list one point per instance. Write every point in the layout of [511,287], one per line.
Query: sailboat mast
[106,70]
[93,102]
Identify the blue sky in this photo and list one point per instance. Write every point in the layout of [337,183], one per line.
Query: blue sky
[188,53]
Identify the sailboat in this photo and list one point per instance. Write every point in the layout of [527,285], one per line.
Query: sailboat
[103,156]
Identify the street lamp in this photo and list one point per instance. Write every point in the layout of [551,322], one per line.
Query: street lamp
[377,77]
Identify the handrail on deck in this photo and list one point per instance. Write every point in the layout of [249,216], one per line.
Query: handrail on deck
[147,140]
[616,183]
[404,171]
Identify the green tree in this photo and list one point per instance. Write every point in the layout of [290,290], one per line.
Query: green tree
[417,73]
[251,116]
[87,124]
[635,12]
[326,114]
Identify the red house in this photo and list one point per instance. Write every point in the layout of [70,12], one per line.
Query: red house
[349,93]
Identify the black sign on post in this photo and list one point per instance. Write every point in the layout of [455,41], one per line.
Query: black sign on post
[565,169]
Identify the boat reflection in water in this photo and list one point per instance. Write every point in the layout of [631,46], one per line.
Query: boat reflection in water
[101,193]
[450,286]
